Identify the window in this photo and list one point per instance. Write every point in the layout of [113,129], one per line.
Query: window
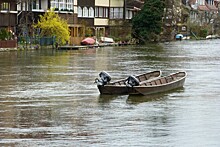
[62,4]
[106,12]
[69,4]
[5,6]
[54,4]
[101,12]
[121,12]
[116,13]
[91,12]
[35,4]
[96,11]
[79,11]
[129,14]
[85,12]
[201,2]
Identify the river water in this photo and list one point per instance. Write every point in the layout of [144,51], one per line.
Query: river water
[48,97]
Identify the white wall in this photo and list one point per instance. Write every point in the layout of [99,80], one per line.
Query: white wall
[116,3]
[100,22]
[75,7]
[104,3]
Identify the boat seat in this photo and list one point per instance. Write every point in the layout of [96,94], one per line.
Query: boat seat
[163,81]
[157,82]
[175,77]
[169,79]
[142,78]
[117,84]
[121,83]
[153,83]
[146,84]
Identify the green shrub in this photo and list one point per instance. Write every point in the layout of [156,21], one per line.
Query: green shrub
[203,33]
[5,34]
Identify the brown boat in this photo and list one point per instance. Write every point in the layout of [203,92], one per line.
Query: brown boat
[124,86]
[162,84]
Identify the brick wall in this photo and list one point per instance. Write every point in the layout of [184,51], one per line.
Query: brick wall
[8,44]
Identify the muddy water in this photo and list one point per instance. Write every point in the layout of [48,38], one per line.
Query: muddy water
[48,98]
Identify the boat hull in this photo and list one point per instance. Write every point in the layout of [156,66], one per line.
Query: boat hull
[88,41]
[177,81]
[116,90]
[120,88]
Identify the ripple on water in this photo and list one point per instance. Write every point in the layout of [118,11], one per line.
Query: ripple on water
[48,98]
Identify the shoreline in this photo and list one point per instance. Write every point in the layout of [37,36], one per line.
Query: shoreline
[8,49]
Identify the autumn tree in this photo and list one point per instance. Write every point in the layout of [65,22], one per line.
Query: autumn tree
[146,24]
[51,24]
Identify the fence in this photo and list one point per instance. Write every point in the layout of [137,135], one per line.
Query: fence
[42,41]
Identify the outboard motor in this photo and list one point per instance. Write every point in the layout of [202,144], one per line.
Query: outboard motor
[104,78]
[132,81]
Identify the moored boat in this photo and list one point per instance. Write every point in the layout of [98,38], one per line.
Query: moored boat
[123,86]
[107,40]
[88,41]
[179,37]
[162,84]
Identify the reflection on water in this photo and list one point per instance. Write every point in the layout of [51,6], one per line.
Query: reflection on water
[136,99]
[106,98]
[48,97]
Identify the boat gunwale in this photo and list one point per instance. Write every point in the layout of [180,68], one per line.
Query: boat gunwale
[133,86]
[141,82]
[165,84]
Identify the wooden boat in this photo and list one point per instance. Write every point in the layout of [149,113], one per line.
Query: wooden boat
[161,84]
[124,86]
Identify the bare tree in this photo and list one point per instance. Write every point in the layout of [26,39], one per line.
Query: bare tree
[25,17]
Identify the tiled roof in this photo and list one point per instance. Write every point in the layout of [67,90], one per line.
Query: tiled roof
[203,8]
[211,7]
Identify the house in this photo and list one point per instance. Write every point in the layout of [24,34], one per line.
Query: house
[132,7]
[203,11]
[101,20]
[213,10]
[8,21]
[120,14]
[216,3]
[29,12]
[105,18]
[86,13]
[85,18]
[8,14]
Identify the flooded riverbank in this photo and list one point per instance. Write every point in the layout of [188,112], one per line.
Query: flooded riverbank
[48,97]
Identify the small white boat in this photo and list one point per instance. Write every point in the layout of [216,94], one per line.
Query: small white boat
[186,37]
[107,40]
[211,37]
[179,36]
